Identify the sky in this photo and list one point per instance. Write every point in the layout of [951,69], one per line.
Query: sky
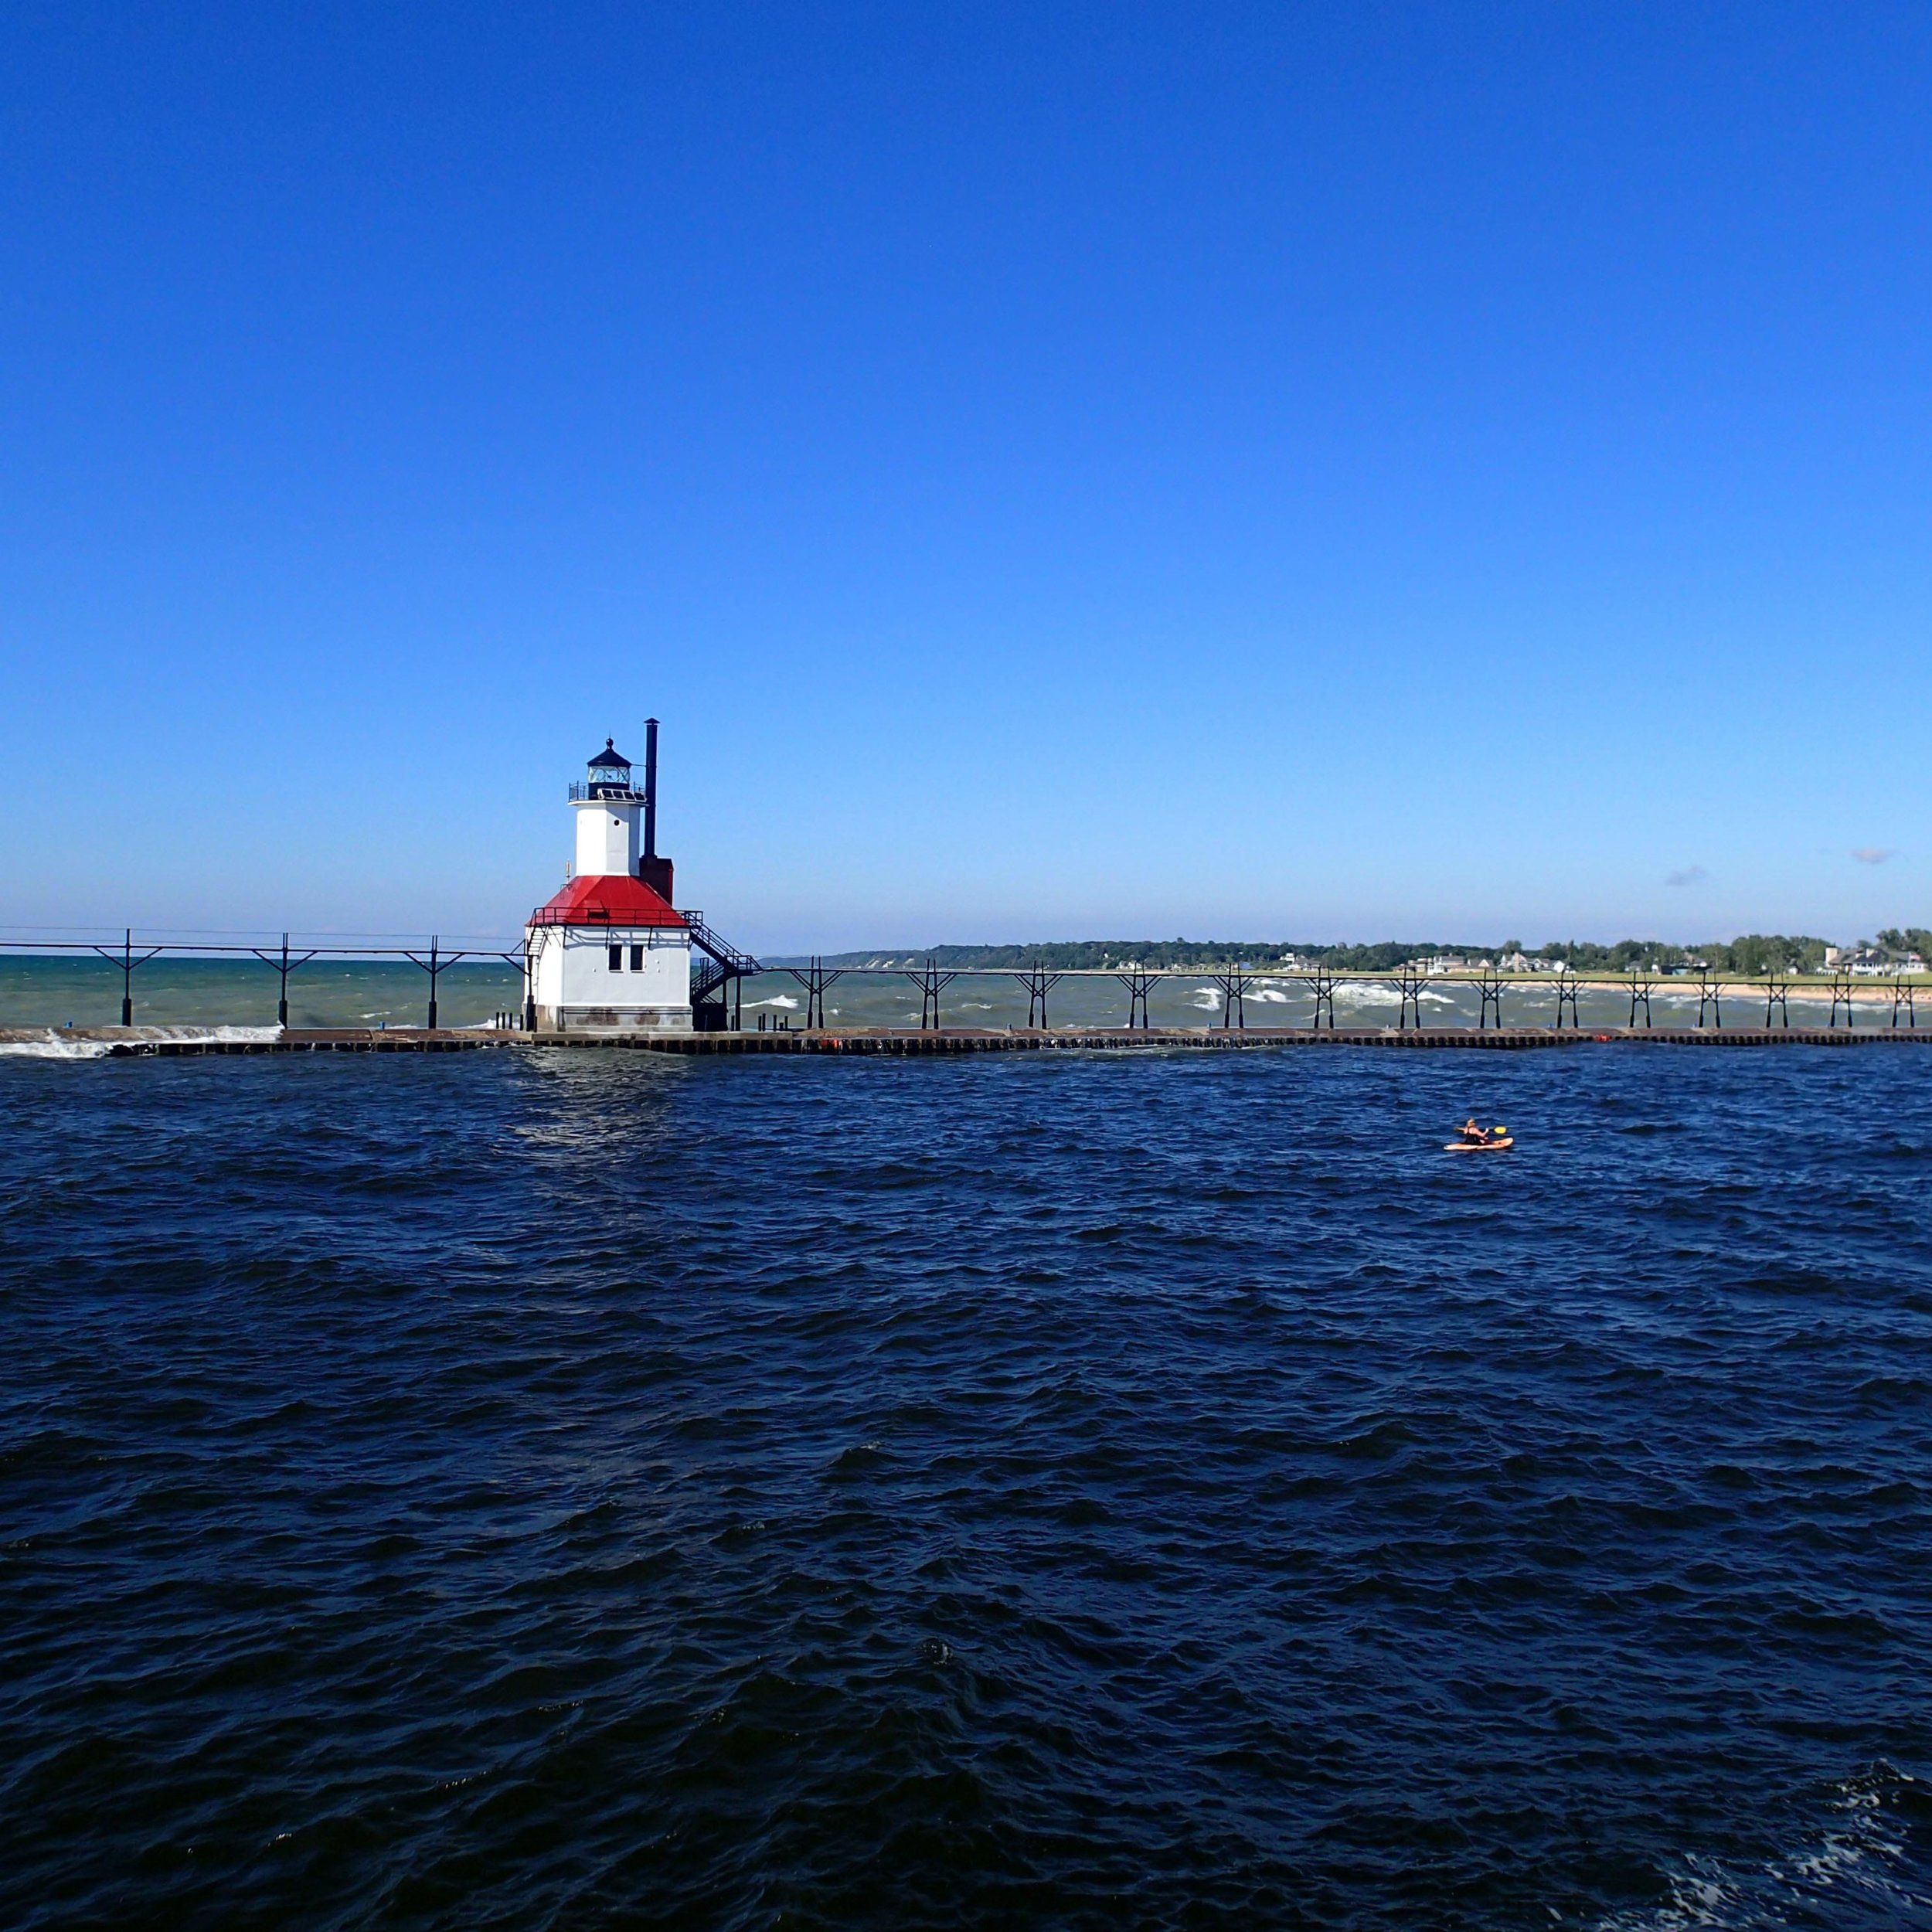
[1057,471]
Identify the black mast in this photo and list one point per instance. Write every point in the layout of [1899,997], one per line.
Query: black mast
[650,787]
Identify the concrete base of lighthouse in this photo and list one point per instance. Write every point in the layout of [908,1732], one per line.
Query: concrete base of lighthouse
[613,1019]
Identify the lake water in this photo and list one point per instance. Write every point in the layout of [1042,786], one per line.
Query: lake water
[588,1490]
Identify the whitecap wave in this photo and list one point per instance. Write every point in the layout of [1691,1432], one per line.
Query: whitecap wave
[1857,1872]
[777,999]
[51,1046]
[52,1043]
[1369,993]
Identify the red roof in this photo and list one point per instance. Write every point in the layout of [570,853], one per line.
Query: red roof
[615,899]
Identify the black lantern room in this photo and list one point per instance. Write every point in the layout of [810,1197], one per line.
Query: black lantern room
[609,774]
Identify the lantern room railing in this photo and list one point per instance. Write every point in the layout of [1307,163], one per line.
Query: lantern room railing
[599,788]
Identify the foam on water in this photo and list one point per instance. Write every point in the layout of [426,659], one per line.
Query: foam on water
[52,1045]
[1368,993]
[1857,1873]
[55,1043]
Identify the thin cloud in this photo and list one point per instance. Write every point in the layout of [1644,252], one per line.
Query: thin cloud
[1690,876]
[1874,855]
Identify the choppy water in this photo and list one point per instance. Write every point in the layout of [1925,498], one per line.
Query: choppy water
[585,1490]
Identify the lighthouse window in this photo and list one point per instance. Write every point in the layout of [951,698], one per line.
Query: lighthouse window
[617,959]
[637,959]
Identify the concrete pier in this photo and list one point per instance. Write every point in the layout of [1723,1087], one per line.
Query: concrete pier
[169,1044]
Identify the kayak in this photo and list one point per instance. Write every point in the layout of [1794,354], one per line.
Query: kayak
[1480,1147]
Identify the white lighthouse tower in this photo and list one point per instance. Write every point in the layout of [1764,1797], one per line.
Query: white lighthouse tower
[609,954]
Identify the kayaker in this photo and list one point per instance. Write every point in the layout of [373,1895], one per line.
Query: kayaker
[1475,1135]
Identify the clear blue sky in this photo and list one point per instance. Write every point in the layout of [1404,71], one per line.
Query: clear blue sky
[1321,471]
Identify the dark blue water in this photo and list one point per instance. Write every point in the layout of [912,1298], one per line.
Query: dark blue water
[586,1491]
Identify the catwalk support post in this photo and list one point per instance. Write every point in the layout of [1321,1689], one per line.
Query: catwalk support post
[1409,984]
[1566,994]
[1710,992]
[931,982]
[1138,981]
[1641,987]
[1841,996]
[1491,986]
[1322,983]
[126,961]
[437,962]
[1235,985]
[284,963]
[815,978]
[1037,982]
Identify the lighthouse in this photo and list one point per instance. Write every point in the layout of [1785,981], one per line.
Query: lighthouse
[609,954]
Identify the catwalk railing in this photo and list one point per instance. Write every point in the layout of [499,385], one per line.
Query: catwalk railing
[282,958]
[1237,983]
[721,969]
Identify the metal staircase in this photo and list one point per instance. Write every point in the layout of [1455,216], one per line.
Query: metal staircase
[714,984]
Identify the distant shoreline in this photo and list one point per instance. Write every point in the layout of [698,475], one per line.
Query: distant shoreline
[1750,955]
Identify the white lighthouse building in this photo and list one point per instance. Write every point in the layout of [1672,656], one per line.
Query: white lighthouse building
[609,954]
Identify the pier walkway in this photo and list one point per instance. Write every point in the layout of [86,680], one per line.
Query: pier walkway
[166,1043]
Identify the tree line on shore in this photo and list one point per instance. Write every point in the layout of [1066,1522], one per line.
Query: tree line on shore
[1750,955]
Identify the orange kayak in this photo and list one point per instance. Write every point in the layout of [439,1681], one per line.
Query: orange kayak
[1480,1147]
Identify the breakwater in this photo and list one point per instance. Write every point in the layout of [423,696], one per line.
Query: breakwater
[126,1042]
